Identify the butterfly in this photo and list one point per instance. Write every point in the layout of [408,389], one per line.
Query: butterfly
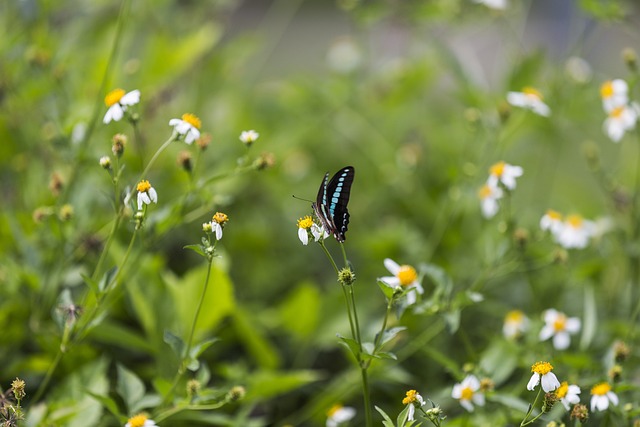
[331,204]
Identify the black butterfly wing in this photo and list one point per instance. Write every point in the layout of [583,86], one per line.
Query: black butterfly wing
[336,198]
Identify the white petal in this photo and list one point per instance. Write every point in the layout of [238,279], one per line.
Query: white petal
[490,208]
[549,382]
[411,412]
[392,266]
[561,340]
[533,382]
[153,195]
[174,122]
[472,382]
[467,405]
[573,325]
[392,281]
[456,393]
[613,398]
[218,229]
[143,198]
[478,399]
[303,236]
[541,108]
[130,98]
[550,316]
[192,135]
[517,99]
[411,297]
[546,332]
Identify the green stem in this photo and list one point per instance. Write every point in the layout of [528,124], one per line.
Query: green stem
[367,400]
[326,251]
[524,421]
[185,355]
[170,412]
[54,365]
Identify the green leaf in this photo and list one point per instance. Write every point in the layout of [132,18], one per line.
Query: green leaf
[129,387]
[187,290]
[108,403]
[197,249]
[175,342]
[92,284]
[300,311]
[200,347]
[386,355]
[351,344]
[266,384]
[253,337]
[387,421]
[386,289]
[121,336]
[390,334]
[106,279]
[500,359]
[402,416]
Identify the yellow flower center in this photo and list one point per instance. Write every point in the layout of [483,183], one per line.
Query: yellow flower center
[411,397]
[560,323]
[192,119]
[335,408]
[562,390]
[305,222]
[137,421]
[407,275]
[557,216]
[606,90]
[542,368]
[532,92]
[616,113]
[466,394]
[497,169]
[113,97]
[514,316]
[220,218]
[601,389]
[575,221]
[143,186]
[485,192]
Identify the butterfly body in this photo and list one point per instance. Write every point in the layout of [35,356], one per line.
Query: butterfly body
[331,203]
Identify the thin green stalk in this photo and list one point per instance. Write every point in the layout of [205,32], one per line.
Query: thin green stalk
[367,400]
[531,407]
[185,355]
[54,365]
[170,412]
[324,248]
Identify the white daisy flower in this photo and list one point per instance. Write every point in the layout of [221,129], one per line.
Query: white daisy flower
[515,324]
[404,276]
[217,224]
[551,221]
[339,414]
[493,4]
[620,120]
[413,399]
[489,197]
[146,194]
[140,421]
[248,137]
[504,173]
[531,99]
[188,126]
[602,396]
[568,394]
[575,232]
[118,101]
[468,393]
[560,327]
[306,226]
[542,375]
[614,94]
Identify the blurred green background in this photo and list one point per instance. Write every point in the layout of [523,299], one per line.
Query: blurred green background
[411,93]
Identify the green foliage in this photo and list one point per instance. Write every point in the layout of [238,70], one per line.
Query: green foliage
[111,311]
